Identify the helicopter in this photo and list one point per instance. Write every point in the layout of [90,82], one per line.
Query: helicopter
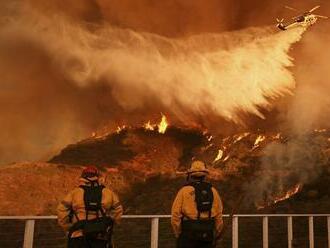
[304,20]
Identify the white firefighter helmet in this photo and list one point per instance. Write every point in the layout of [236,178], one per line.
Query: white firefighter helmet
[198,169]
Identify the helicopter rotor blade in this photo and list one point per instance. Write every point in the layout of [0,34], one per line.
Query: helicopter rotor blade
[290,8]
[315,8]
[320,16]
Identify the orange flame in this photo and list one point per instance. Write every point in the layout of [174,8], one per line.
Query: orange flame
[241,136]
[259,139]
[288,194]
[149,126]
[219,156]
[162,126]
[119,129]
[226,158]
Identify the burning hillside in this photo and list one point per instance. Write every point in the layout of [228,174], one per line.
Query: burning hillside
[82,82]
[266,168]
[88,68]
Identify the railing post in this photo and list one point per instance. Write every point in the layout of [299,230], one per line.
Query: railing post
[235,232]
[290,232]
[265,232]
[311,231]
[28,234]
[154,232]
[328,222]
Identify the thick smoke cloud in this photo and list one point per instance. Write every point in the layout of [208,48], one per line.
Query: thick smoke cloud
[70,67]
[203,73]
[170,18]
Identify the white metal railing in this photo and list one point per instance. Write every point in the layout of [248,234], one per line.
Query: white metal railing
[30,222]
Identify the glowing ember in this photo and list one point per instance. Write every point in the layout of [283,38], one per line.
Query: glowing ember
[149,126]
[226,158]
[219,156]
[320,130]
[259,139]
[162,126]
[119,129]
[277,136]
[241,136]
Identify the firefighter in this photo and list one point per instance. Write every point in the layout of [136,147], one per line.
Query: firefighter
[197,211]
[89,212]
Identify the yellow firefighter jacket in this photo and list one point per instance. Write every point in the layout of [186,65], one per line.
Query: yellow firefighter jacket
[184,206]
[74,201]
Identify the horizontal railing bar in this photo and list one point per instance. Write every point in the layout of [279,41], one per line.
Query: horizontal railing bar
[28,217]
[282,215]
[50,217]
[145,216]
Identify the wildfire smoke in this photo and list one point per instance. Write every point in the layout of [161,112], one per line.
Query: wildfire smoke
[89,75]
